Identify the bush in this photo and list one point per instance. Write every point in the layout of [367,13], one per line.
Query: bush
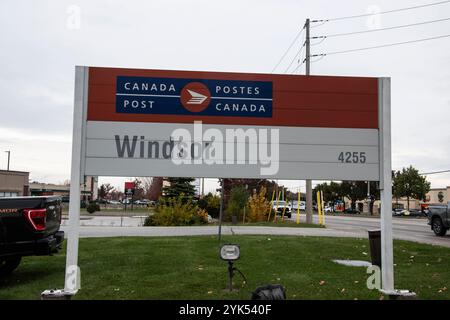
[92,207]
[211,204]
[236,204]
[259,206]
[177,212]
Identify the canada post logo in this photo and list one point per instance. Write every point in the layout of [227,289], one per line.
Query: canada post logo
[174,96]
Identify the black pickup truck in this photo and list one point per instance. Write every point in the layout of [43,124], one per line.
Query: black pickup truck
[439,218]
[28,226]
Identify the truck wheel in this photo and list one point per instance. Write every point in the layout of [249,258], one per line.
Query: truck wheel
[438,227]
[8,265]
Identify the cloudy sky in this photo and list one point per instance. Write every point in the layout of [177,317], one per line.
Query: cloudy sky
[42,41]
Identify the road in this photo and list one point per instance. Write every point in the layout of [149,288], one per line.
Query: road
[412,229]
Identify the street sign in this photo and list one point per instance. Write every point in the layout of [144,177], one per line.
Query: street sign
[130,187]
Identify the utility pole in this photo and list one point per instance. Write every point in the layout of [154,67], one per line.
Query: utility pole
[309,211]
[222,182]
[203,187]
[9,155]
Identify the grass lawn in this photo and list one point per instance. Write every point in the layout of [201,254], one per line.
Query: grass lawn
[286,223]
[189,268]
[113,212]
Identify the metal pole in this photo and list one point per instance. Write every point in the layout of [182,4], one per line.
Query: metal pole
[309,195]
[387,255]
[72,276]
[9,154]
[221,209]
[203,187]
[307,47]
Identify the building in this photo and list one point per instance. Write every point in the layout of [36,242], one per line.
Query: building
[89,190]
[14,183]
[439,195]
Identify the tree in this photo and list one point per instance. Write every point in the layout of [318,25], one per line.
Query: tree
[155,189]
[441,196]
[179,186]
[410,184]
[354,190]
[139,191]
[210,203]
[258,205]
[238,201]
[105,190]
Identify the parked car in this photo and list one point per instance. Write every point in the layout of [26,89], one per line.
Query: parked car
[296,205]
[328,209]
[28,226]
[279,206]
[352,211]
[126,201]
[144,202]
[101,201]
[113,202]
[400,212]
[417,213]
[439,218]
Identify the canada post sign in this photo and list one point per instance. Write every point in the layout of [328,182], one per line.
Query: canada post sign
[149,95]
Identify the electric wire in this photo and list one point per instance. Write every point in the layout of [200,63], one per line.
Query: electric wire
[380,29]
[434,172]
[289,48]
[382,12]
[295,57]
[380,46]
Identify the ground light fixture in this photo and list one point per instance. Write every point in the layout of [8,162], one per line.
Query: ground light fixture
[231,253]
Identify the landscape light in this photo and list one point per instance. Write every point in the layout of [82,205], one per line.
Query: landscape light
[230,252]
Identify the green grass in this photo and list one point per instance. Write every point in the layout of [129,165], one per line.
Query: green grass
[189,268]
[286,223]
[114,212]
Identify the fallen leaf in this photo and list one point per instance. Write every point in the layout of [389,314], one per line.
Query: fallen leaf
[356,281]
[322,282]
[209,292]
[343,290]
[364,253]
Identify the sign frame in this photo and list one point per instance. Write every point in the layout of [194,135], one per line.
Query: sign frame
[78,166]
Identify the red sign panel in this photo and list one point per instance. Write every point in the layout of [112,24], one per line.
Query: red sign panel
[129,185]
[134,95]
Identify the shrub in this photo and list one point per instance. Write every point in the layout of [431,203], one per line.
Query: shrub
[259,206]
[92,207]
[238,201]
[210,203]
[177,212]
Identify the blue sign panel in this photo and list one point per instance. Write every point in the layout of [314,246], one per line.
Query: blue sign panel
[145,95]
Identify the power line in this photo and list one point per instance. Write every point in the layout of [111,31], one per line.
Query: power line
[382,12]
[289,48]
[380,46]
[434,172]
[295,57]
[299,66]
[381,29]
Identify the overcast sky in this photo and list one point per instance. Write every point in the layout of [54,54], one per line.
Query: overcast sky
[42,41]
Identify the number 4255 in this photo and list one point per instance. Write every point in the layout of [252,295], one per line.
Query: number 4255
[352,157]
